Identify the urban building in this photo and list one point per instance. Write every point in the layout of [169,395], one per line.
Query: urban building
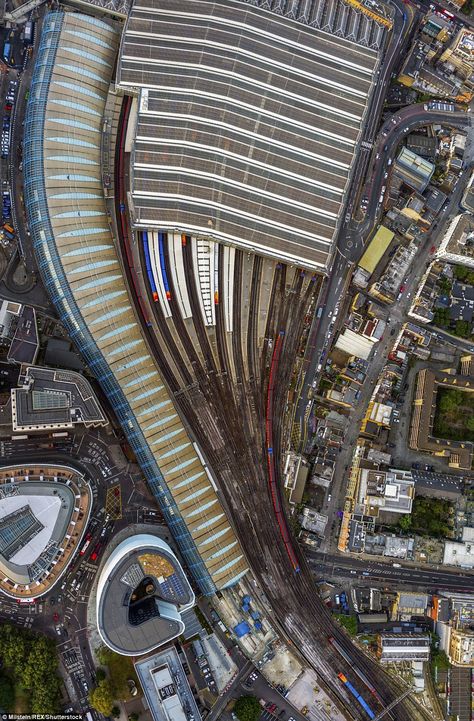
[54,400]
[44,512]
[389,491]
[81,269]
[280,188]
[387,288]
[355,344]
[313,521]
[9,313]
[295,473]
[468,197]
[166,687]
[408,605]
[18,332]
[25,344]
[399,647]
[458,453]
[461,647]
[457,245]
[413,170]
[459,553]
[460,54]
[141,593]
[373,255]
[367,600]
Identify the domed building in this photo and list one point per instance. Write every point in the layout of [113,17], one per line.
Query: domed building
[141,593]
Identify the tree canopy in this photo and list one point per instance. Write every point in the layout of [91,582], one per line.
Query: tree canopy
[120,671]
[101,698]
[247,708]
[7,694]
[30,660]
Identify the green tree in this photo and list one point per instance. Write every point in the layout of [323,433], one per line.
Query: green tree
[7,694]
[120,671]
[460,272]
[101,698]
[32,662]
[462,328]
[405,522]
[115,713]
[247,708]
[447,403]
[470,424]
[100,674]
[133,716]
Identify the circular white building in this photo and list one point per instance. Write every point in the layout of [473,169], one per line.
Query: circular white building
[141,593]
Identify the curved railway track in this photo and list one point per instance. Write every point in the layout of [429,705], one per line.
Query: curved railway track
[225,420]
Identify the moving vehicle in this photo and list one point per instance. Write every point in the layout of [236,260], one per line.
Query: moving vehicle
[7,51]
[86,544]
[95,553]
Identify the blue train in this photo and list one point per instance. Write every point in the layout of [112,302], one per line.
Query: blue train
[161,242]
[356,695]
[149,270]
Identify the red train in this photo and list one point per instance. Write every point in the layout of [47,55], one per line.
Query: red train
[122,215]
[280,516]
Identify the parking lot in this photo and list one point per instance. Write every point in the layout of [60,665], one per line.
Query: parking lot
[437,481]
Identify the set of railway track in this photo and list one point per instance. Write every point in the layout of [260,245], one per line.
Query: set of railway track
[222,400]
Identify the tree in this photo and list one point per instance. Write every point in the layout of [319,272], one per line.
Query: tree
[247,708]
[101,698]
[405,522]
[470,424]
[7,694]
[133,716]
[463,328]
[100,674]
[116,712]
[32,662]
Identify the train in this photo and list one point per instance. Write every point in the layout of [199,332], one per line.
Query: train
[123,217]
[335,644]
[356,695]
[149,271]
[161,247]
[277,507]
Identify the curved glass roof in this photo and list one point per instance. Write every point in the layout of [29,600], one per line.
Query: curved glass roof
[81,269]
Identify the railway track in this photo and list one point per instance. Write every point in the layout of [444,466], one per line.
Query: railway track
[228,428]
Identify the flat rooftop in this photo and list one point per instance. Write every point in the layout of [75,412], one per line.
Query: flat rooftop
[166,687]
[25,343]
[50,399]
[248,122]
[43,514]
[141,590]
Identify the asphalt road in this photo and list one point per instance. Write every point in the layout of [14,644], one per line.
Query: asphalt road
[33,291]
[97,455]
[352,239]
[366,570]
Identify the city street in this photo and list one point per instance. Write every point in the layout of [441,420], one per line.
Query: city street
[62,614]
[368,571]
